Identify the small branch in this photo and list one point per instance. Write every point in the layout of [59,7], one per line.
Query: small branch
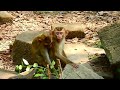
[60,73]
[48,71]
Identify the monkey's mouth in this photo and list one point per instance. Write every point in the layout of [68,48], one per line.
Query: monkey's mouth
[59,38]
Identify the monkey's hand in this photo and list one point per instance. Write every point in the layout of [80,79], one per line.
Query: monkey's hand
[75,65]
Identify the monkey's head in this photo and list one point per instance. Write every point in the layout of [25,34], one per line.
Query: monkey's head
[59,33]
[47,41]
[44,39]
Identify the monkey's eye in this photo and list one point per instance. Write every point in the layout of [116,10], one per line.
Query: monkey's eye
[60,32]
[57,33]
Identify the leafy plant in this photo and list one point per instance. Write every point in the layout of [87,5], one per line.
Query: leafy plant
[41,72]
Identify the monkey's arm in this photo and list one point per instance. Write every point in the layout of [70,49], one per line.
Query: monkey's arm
[67,61]
[63,52]
[63,58]
[44,53]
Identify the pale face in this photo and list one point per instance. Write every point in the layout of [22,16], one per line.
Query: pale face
[59,34]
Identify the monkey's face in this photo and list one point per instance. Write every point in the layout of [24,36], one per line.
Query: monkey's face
[59,34]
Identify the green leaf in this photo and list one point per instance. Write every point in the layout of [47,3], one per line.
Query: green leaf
[51,67]
[17,68]
[35,65]
[39,75]
[20,67]
[28,68]
[40,70]
[25,61]
[53,63]
[44,69]
[45,78]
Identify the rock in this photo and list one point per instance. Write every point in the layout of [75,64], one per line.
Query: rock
[5,74]
[102,13]
[25,75]
[110,40]
[78,53]
[5,17]
[105,75]
[22,47]
[80,73]
[87,65]
[75,29]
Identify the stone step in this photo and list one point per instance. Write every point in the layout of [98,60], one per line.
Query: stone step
[80,73]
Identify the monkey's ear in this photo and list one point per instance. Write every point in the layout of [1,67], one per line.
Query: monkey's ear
[66,32]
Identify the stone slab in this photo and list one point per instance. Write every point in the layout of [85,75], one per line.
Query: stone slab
[110,39]
[80,73]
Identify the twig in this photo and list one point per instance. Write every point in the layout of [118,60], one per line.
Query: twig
[60,73]
[48,71]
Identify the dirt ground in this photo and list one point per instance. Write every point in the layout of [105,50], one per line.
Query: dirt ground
[36,21]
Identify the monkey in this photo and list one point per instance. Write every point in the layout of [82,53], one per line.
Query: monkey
[57,50]
[50,46]
[40,47]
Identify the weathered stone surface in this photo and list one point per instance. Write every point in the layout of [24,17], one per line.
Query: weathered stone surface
[80,73]
[87,65]
[75,29]
[106,75]
[5,74]
[78,53]
[22,47]
[5,17]
[110,39]
[24,75]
